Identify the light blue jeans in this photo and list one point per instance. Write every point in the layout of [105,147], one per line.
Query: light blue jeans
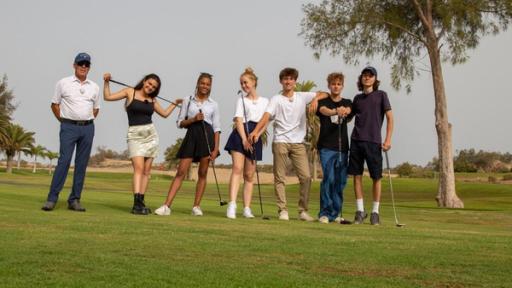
[334,167]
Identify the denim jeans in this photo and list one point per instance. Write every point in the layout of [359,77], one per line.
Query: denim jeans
[72,135]
[334,167]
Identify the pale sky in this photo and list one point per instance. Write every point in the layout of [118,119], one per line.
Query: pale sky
[179,39]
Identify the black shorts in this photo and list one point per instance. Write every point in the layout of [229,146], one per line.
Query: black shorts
[361,151]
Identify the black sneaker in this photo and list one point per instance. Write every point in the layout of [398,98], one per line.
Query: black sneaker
[48,206]
[360,216]
[75,206]
[374,219]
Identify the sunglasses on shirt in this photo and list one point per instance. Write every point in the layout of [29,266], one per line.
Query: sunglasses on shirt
[84,64]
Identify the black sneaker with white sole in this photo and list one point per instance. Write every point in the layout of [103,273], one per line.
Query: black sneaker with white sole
[374,218]
[360,216]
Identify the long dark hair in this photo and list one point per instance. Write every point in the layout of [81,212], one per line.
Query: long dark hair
[360,83]
[147,77]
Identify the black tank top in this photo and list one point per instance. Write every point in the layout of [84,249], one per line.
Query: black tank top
[139,112]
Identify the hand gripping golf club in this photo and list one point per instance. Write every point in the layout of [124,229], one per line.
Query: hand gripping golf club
[391,190]
[253,155]
[221,202]
[126,85]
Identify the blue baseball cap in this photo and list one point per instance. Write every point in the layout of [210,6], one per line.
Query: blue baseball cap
[371,70]
[82,57]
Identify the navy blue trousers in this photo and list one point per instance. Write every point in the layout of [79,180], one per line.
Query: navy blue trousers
[72,136]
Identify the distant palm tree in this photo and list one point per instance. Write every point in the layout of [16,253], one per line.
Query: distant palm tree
[51,155]
[4,123]
[26,141]
[313,128]
[37,151]
[16,140]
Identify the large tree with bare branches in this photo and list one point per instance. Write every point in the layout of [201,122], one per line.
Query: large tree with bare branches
[402,32]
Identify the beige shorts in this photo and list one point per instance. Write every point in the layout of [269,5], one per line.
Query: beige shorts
[142,141]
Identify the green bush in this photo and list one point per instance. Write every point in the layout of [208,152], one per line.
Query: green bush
[507,177]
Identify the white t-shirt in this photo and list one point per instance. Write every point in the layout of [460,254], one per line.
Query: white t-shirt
[76,99]
[253,109]
[289,115]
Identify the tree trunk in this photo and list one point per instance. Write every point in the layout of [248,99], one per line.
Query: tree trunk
[315,160]
[189,172]
[35,164]
[446,193]
[9,164]
[19,160]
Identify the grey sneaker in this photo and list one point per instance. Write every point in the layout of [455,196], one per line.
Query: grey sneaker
[48,206]
[75,206]
[360,216]
[374,218]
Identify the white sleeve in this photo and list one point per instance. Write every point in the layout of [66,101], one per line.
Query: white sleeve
[239,110]
[216,119]
[57,97]
[183,111]
[96,99]
[308,96]
[271,107]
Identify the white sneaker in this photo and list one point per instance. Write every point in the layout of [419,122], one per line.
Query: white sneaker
[323,220]
[231,212]
[248,212]
[304,216]
[196,211]
[283,215]
[164,210]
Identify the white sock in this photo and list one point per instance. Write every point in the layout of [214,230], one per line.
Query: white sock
[359,204]
[375,207]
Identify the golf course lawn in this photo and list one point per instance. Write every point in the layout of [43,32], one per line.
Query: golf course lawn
[109,247]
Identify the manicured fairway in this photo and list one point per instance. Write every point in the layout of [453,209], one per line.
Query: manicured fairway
[109,247]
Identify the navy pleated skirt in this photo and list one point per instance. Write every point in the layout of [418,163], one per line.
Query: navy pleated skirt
[235,143]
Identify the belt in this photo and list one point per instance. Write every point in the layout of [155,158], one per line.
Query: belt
[77,122]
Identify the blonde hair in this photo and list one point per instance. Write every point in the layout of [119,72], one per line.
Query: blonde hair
[250,73]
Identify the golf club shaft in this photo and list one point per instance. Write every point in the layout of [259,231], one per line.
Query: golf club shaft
[126,85]
[211,160]
[391,187]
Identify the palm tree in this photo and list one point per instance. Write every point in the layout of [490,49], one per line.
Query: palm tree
[25,142]
[51,155]
[313,129]
[37,151]
[4,123]
[16,139]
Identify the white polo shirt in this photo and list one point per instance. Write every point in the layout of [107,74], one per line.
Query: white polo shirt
[253,109]
[289,115]
[77,99]
[209,107]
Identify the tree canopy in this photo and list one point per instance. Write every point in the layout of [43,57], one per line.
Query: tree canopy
[396,30]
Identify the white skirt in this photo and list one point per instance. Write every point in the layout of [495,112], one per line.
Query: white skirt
[142,141]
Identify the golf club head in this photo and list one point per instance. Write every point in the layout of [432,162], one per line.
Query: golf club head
[265,217]
[345,222]
[222,203]
[400,225]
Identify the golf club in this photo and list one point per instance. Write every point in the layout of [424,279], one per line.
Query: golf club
[221,202]
[340,121]
[391,190]
[126,85]
[253,155]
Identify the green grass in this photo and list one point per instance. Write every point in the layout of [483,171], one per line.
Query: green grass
[109,247]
